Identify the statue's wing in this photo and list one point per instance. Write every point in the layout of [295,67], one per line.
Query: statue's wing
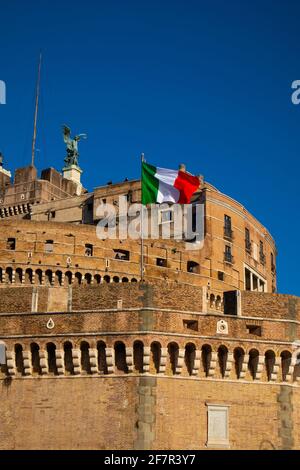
[67,133]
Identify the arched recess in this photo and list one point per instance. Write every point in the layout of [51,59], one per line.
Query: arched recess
[19,359]
[269,363]
[28,276]
[253,362]
[120,357]
[286,359]
[18,276]
[58,278]
[51,349]
[38,277]
[138,356]
[206,352]
[9,275]
[48,277]
[85,358]
[239,355]
[35,358]
[68,278]
[173,350]
[77,279]
[222,359]
[68,358]
[156,355]
[102,364]
[189,357]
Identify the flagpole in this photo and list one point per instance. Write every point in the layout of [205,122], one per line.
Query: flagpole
[36,109]
[142,223]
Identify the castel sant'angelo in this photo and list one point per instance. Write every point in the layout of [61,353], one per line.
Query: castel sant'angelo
[199,353]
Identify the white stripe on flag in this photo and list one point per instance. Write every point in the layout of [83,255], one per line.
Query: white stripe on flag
[166,191]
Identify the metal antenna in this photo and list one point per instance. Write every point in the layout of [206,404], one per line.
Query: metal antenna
[36,110]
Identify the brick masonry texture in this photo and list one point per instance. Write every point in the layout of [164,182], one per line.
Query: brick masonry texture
[123,409]
[97,359]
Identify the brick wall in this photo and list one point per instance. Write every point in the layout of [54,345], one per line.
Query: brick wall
[128,412]
[73,413]
[260,304]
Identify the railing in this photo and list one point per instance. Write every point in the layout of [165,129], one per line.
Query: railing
[248,246]
[228,233]
[262,258]
[228,258]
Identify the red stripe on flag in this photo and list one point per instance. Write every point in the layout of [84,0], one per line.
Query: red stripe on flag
[186,184]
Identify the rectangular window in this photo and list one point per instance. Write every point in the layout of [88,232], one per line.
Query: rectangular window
[227,227]
[190,325]
[217,420]
[247,279]
[49,246]
[247,240]
[254,330]
[122,255]
[228,258]
[262,257]
[88,250]
[193,267]
[161,262]
[230,299]
[272,263]
[220,275]
[11,244]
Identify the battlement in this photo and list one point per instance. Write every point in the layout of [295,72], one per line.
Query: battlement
[148,328]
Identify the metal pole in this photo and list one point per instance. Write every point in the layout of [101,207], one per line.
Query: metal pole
[142,224]
[36,110]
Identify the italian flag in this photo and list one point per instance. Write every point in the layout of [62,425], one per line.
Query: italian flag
[163,185]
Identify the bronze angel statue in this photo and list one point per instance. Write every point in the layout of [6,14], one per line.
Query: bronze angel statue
[72,146]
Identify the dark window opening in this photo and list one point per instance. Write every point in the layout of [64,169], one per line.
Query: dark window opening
[247,240]
[262,256]
[190,325]
[11,244]
[247,279]
[254,330]
[122,255]
[220,275]
[88,250]
[227,227]
[272,263]
[193,267]
[230,302]
[228,258]
[161,262]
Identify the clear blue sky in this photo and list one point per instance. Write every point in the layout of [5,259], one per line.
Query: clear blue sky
[207,83]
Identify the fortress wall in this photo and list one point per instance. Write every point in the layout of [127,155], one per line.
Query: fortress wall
[68,413]
[253,414]
[152,413]
[270,305]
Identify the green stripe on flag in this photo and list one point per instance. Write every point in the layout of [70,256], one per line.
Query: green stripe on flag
[149,184]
